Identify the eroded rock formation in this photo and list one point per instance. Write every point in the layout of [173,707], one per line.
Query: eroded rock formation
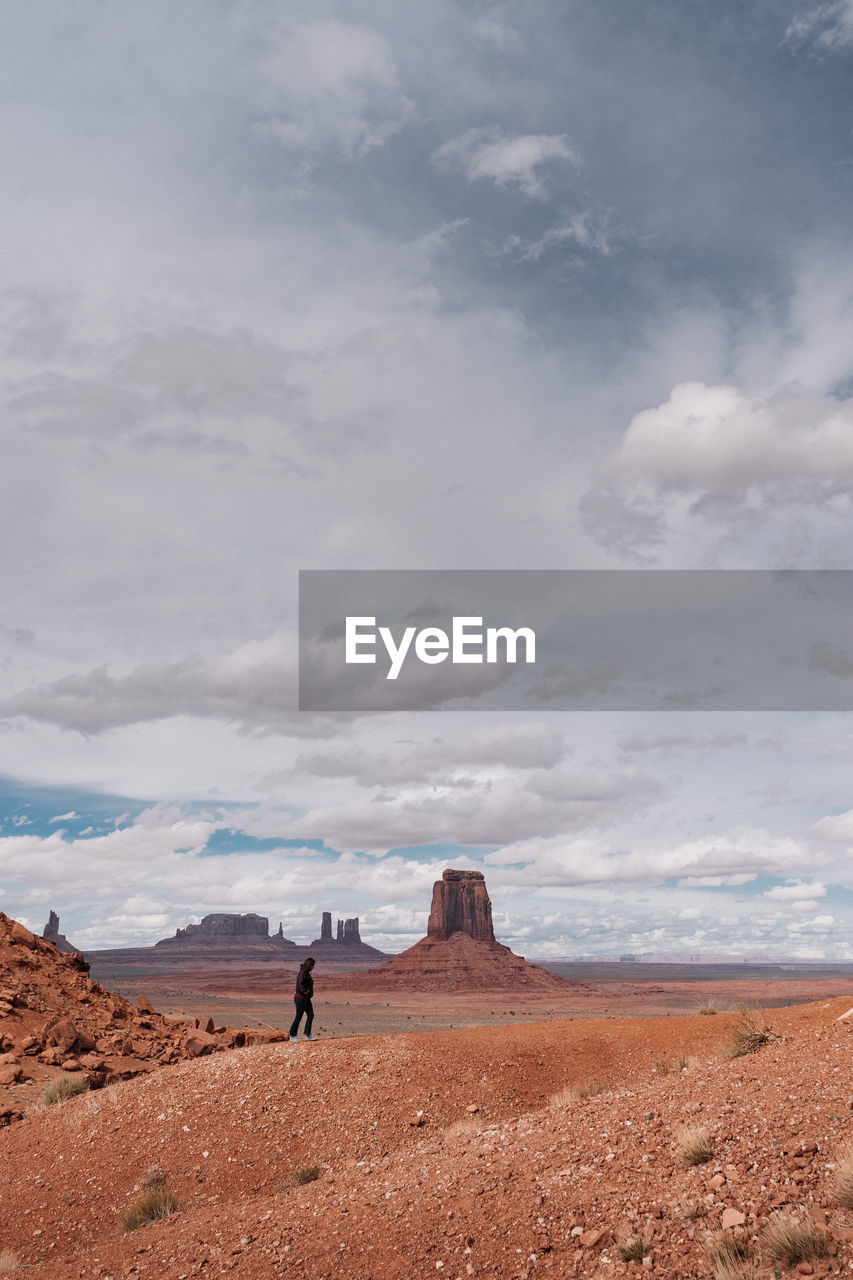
[54,1017]
[51,933]
[346,933]
[460,904]
[459,952]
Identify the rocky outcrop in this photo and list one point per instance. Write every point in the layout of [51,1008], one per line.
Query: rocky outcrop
[459,952]
[53,1016]
[51,933]
[351,936]
[347,933]
[460,904]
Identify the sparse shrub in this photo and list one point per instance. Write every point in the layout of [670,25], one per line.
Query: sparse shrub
[690,1210]
[842,1179]
[308,1173]
[8,1262]
[747,1033]
[465,1126]
[152,1204]
[730,1256]
[707,1010]
[663,1066]
[791,1237]
[586,1088]
[692,1146]
[60,1088]
[630,1248]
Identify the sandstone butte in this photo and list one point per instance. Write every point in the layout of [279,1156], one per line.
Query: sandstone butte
[459,952]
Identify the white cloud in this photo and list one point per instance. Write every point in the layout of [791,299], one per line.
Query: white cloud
[828,26]
[716,454]
[251,687]
[521,160]
[717,440]
[795,890]
[836,827]
[332,82]
[582,231]
[726,858]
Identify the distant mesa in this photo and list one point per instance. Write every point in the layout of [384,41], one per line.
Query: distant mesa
[459,952]
[247,938]
[51,933]
[222,928]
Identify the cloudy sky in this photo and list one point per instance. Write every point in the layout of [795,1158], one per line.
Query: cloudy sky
[383,285]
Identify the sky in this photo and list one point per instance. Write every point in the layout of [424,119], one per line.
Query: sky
[449,286]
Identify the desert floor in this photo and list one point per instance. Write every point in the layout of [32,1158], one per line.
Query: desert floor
[261,995]
[506,1151]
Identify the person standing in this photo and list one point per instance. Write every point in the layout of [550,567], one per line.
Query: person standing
[302,998]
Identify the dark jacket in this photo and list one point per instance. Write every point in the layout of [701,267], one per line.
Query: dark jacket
[304,985]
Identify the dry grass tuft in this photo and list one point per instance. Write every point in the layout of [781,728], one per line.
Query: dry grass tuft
[155,1177]
[464,1127]
[587,1088]
[663,1066]
[60,1088]
[730,1256]
[8,1262]
[152,1204]
[791,1237]
[690,1210]
[842,1178]
[308,1173]
[707,1010]
[747,1033]
[692,1146]
[630,1248]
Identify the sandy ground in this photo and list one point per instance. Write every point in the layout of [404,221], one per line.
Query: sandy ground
[250,995]
[507,1152]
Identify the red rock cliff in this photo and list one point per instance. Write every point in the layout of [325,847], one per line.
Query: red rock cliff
[460,904]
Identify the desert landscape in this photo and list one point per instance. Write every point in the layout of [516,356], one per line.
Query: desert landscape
[712,1144]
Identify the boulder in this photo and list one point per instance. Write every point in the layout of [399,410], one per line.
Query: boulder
[62,1034]
[198,1043]
[22,937]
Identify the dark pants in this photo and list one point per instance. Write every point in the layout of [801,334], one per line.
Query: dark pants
[306,1007]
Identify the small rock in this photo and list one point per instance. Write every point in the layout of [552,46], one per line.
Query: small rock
[732,1218]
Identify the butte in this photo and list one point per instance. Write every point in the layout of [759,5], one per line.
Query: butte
[459,952]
